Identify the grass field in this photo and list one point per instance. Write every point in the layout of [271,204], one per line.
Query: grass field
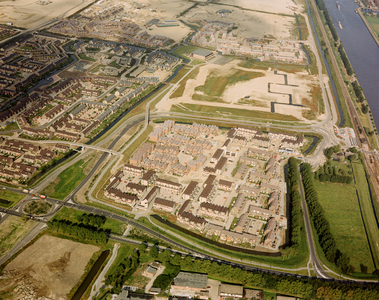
[13,197]
[185,51]
[215,85]
[67,181]
[181,73]
[206,98]
[10,126]
[342,210]
[374,23]
[367,209]
[229,112]
[180,90]
[72,215]
[37,207]
[11,231]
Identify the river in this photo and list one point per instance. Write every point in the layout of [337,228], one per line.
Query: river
[361,49]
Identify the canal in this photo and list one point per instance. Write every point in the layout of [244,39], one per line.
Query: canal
[360,47]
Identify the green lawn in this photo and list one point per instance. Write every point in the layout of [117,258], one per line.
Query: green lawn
[374,21]
[72,214]
[342,210]
[229,112]
[13,197]
[69,179]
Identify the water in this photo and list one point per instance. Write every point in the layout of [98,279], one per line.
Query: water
[92,273]
[361,49]
[342,119]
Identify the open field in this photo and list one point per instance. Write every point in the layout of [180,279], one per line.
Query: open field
[374,23]
[258,91]
[29,13]
[274,6]
[72,215]
[10,126]
[13,197]
[11,231]
[342,210]
[66,181]
[249,23]
[50,268]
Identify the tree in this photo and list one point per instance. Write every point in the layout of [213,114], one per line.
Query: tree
[154,252]
[142,247]
[165,255]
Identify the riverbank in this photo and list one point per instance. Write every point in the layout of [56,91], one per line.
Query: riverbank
[369,27]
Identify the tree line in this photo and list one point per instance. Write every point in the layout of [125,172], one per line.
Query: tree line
[345,60]
[328,152]
[91,219]
[296,221]
[321,223]
[360,97]
[80,231]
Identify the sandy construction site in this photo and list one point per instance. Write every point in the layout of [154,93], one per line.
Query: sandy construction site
[274,6]
[30,13]
[270,90]
[49,268]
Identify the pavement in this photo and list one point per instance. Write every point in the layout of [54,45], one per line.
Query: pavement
[101,278]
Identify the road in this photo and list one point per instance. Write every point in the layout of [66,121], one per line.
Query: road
[319,271]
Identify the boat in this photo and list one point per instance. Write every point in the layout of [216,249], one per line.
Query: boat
[338,6]
[339,24]
[356,10]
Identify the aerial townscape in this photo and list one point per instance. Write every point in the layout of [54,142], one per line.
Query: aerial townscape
[189,149]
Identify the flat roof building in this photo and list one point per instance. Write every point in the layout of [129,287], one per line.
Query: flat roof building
[202,54]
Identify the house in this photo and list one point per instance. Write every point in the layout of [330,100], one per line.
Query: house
[149,197]
[151,269]
[259,212]
[208,193]
[225,185]
[241,171]
[191,190]
[148,178]
[239,204]
[214,211]
[163,204]
[133,170]
[167,185]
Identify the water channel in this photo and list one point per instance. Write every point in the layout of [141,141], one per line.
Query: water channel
[360,47]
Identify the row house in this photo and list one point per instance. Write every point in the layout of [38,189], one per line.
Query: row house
[163,140]
[66,135]
[48,153]
[11,151]
[221,164]
[249,191]
[261,141]
[179,169]
[258,153]
[22,145]
[172,150]
[6,160]
[242,171]
[91,127]
[186,130]
[204,144]
[214,211]
[252,162]
[243,223]
[269,239]
[73,126]
[217,155]
[194,164]
[191,190]
[226,144]
[148,178]
[281,136]
[135,188]
[211,179]
[169,159]
[239,204]
[207,129]
[61,148]
[231,133]
[246,131]
[271,225]
[258,177]
[91,93]
[269,188]
[239,141]
[153,164]
[54,111]
[259,212]
[40,133]
[188,218]
[225,185]
[208,193]
[292,143]
[144,151]
[133,170]
[35,159]
[227,236]
[169,186]
[163,204]
[24,167]
[193,150]
[120,197]
[144,204]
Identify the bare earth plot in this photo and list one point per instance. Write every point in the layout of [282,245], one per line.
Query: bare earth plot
[50,268]
[249,89]
[273,6]
[29,14]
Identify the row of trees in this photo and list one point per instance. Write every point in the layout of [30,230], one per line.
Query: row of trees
[358,91]
[345,60]
[91,219]
[321,224]
[329,21]
[80,231]
[296,225]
